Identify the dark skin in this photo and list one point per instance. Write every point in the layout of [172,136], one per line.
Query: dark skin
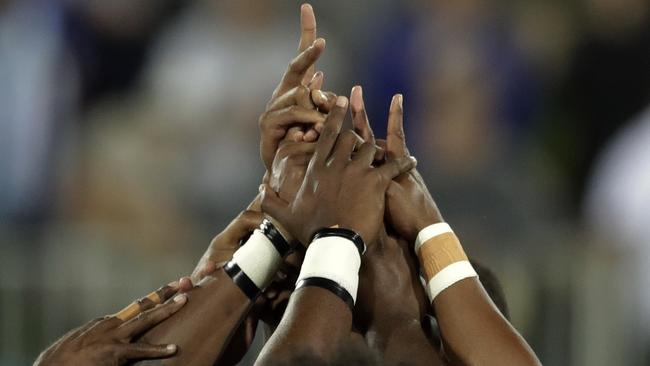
[218,306]
[473,330]
[347,186]
[337,187]
[391,320]
[110,341]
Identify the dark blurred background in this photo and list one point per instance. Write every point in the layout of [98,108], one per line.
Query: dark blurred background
[128,138]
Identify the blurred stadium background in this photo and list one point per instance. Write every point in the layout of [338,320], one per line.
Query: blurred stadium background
[128,138]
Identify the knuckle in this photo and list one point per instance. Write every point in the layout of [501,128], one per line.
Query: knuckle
[142,317]
[294,64]
[302,91]
[293,110]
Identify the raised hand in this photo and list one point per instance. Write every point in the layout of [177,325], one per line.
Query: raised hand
[297,100]
[107,340]
[410,207]
[226,243]
[338,188]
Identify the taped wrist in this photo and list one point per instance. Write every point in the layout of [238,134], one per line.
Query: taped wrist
[255,263]
[442,258]
[332,262]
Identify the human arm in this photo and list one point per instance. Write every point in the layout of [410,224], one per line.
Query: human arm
[112,340]
[473,330]
[342,191]
[392,304]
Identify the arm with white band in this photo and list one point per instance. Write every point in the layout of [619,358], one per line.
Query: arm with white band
[219,303]
[463,307]
[318,318]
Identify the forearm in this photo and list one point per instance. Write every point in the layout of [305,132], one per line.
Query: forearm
[319,315]
[204,326]
[474,331]
[316,322]
[472,328]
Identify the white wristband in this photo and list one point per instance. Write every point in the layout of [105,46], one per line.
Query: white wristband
[336,259]
[448,276]
[431,231]
[258,259]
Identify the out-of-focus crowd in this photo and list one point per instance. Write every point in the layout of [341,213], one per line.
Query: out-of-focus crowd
[128,138]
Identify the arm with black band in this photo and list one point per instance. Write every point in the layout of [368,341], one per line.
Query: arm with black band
[220,302]
[318,319]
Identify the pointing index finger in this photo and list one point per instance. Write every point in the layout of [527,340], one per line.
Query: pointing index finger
[307,35]
[299,66]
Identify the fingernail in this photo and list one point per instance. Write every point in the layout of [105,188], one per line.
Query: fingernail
[260,188]
[400,100]
[180,298]
[341,101]
[415,161]
[321,96]
[356,103]
[173,284]
[171,348]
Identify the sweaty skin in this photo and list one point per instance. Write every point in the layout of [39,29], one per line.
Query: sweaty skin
[392,319]
[218,306]
[342,185]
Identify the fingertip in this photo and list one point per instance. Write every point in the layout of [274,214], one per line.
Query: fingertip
[185,284]
[341,101]
[171,348]
[396,103]
[356,98]
[319,43]
[310,136]
[180,299]
[173,284]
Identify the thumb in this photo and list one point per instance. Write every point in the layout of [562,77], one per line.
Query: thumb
[272,204]
[392,169]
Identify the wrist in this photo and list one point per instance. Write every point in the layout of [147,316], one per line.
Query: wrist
[332,262]
[425,221]
[254,265]
[284,232]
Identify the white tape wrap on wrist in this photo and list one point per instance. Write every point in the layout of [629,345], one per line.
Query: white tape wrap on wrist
[442,258]
[334,258]
[448,276]
[430,232]
[258,259]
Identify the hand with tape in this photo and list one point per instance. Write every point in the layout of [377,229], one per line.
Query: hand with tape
[108,340]
[338,189]
[227,242]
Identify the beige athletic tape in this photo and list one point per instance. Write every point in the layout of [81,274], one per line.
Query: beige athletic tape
[442,259]
[439,252]
[133,309]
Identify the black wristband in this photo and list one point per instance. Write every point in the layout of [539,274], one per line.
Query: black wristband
[330,285]
[343,233]
[273,234]
[241,279]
